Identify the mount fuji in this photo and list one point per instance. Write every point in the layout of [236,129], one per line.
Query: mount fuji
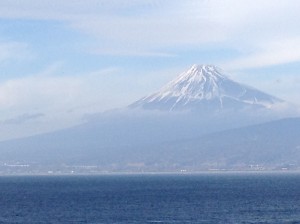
[199,121]
[205,88]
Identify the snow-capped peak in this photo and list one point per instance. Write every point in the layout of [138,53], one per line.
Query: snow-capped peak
[200,81]
[200,72]
[205,87]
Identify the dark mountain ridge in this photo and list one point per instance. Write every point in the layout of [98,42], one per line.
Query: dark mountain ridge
[269,145]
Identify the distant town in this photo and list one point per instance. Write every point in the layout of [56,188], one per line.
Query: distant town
[63,169]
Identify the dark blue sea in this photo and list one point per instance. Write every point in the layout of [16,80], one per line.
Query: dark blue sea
[202,198]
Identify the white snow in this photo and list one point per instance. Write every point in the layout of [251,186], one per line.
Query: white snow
[206,83]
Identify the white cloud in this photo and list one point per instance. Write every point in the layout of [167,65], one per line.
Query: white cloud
[136,27]
[22,118]
[47,92]
[61,99]
[14,50]
[70,9]
[151,27]
[275,52]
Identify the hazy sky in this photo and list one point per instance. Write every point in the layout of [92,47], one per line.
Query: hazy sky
[61,60]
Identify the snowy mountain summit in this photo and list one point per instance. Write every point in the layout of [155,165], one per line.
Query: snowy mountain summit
[205,88]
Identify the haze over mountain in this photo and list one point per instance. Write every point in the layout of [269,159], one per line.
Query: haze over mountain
[182,126]
[271,145]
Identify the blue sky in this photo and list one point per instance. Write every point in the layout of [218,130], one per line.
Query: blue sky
[61,60]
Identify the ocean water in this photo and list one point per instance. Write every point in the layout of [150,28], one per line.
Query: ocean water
[202,198]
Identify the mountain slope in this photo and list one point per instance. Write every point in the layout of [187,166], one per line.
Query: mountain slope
[205,88]
[270,145]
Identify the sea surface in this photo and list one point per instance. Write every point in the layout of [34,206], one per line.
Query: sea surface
[189,198]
